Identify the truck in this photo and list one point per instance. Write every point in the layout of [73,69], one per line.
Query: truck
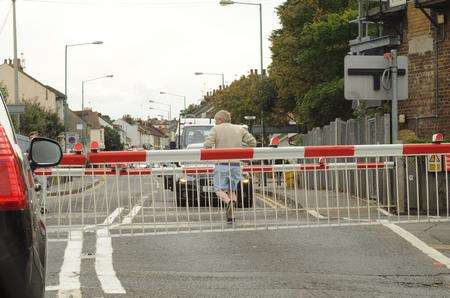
[193,131]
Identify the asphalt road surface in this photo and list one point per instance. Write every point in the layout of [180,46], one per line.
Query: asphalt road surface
[172,253]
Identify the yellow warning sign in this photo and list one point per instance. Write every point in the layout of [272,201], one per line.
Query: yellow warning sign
[434,163]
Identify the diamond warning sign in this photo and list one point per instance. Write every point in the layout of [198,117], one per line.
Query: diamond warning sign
[434,163]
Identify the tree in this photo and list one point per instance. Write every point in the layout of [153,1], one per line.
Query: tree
[36,118]
[3,90]
[308,56]
[112,140]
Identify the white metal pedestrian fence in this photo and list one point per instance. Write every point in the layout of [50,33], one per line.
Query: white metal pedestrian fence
[164,192]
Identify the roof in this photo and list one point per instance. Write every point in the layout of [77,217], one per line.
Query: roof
[51,89]
[90,117]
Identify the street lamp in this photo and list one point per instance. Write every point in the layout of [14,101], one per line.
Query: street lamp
[67,46]
[176,95]
[157,109]
[82,102]
[166,104]
[230,2]
[213,74]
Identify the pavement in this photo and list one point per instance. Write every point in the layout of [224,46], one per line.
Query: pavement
[128,239]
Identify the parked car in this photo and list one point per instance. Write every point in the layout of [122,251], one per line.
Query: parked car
[22,231]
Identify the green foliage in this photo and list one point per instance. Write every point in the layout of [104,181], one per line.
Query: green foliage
[4,90]
[323,104]
[305,79]
[308,57]
[36,118]
[112,140]
[191,109]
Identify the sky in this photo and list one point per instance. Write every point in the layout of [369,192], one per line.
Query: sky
[149,46]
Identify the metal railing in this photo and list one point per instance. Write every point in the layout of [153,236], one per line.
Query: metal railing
[165,192]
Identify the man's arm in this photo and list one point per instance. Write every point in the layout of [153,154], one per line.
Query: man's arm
[210,140]
[248,139]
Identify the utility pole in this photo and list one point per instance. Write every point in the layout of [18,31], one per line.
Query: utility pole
[394,112]
[261,48]
[16,64]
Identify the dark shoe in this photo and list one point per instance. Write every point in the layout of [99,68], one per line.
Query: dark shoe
[231,207]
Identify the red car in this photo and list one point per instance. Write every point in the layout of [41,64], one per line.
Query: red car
[22,232]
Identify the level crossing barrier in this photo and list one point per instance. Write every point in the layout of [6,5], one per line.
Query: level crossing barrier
[166,192]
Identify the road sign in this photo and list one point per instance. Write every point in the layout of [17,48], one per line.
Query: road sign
[394,3]
[16,108]
[364,78]
[434,163]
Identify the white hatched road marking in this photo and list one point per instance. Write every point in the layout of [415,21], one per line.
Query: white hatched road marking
[69,281]
[103,258]
[419,244]
[129,218]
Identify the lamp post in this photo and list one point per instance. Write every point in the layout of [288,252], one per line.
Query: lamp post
[157,109]
[261,46]
[176,95]
[213,74]
[65,106]
[16,63]
[166,104]
[82,103]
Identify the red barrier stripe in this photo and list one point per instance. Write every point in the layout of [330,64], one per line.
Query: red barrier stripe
[333,151]
[424,149]
[226,154]
[117,156]
[73,160]
[134,172]
[373,165]
[43,172]
[198,170]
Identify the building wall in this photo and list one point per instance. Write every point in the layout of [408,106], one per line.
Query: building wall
[426,111]
[131,132]
[29,90]
[98,135]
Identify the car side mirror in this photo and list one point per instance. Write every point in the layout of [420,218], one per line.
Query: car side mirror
[45,153]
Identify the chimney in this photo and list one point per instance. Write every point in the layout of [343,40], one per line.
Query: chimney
[256,72]
[5,61]
[220,87]
[251,72]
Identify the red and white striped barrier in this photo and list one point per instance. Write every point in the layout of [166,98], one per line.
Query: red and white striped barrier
[268,153]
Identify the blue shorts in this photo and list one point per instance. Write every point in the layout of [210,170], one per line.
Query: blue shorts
[227,176]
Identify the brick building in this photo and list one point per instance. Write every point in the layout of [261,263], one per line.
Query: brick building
[421,30]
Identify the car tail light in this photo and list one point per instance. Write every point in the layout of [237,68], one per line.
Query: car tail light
[12,185]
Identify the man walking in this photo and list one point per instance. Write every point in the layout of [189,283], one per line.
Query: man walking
[228,175]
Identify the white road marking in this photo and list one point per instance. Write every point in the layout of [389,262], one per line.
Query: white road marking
[52,288]
[110,219]
[69,281]
[103,258]
[129,218]
[381,210]
[315,213]
[419,244]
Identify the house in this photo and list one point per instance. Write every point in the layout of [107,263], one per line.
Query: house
[157,139]
[94,130]
[31,90]
[73,129]
[131,131]
[142,134]
[420,30]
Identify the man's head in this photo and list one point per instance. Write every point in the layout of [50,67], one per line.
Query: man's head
[222,117]
[33,135]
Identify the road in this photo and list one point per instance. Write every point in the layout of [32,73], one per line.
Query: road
[204,257]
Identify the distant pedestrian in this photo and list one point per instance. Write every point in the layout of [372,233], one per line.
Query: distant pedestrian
[228,175]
